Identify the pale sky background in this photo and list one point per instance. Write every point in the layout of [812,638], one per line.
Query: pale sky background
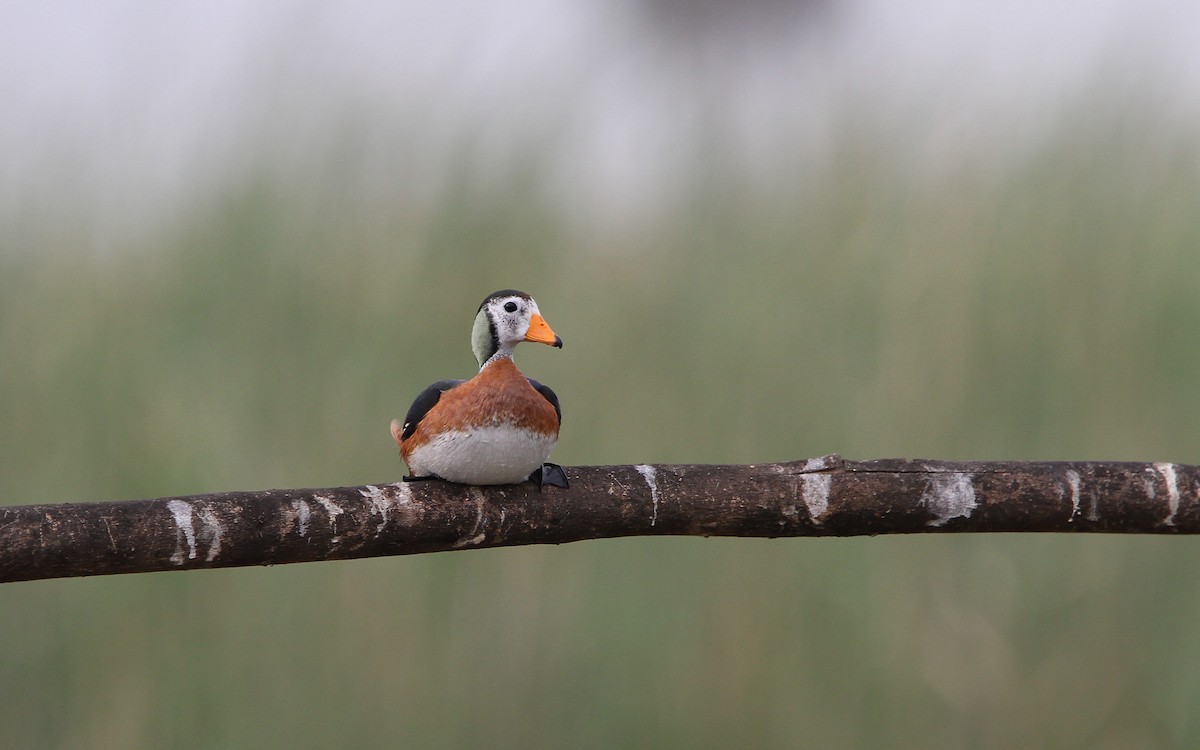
[126,109]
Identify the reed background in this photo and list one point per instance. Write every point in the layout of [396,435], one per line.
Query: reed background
[228,259]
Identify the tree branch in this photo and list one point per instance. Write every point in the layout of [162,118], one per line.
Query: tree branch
[825,496]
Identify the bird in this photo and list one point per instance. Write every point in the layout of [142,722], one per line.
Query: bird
[499,427]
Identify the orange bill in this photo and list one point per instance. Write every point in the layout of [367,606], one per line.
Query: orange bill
[540,332]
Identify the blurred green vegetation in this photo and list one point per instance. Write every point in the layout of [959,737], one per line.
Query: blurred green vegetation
[1041,307]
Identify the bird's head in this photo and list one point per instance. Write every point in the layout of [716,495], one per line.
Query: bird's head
[505,319]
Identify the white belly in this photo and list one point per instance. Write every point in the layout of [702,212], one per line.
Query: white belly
[482,455]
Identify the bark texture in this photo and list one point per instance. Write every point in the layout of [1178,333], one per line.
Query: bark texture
[826,496]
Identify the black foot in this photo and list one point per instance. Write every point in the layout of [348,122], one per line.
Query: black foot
[418,479]
[550,474]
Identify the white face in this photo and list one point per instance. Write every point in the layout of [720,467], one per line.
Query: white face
[509,318]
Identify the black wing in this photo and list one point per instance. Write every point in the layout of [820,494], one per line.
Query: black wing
[549,396]
[425,401]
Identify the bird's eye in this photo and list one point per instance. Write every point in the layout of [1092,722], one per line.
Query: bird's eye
[510,307]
